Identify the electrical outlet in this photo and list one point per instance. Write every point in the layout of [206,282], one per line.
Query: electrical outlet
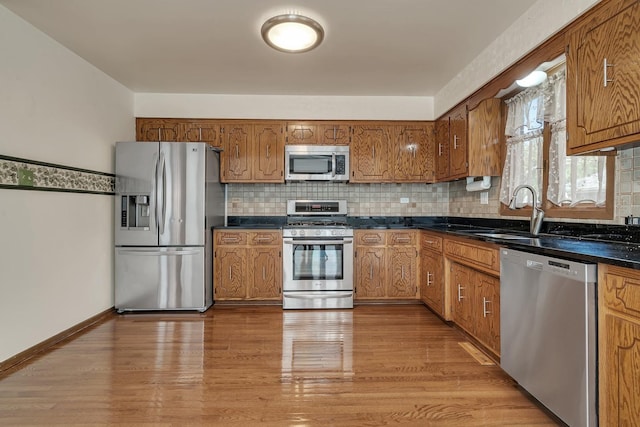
[404,200]
[484,198]
[25,177]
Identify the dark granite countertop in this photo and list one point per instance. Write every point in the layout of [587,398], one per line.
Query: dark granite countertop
[610,244]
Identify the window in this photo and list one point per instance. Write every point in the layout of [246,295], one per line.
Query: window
[535,154]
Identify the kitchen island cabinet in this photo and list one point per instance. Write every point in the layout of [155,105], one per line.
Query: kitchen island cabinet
[247,265]
[619,345]
[385,265]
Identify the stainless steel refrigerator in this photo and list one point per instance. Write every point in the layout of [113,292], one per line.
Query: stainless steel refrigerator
[168,196]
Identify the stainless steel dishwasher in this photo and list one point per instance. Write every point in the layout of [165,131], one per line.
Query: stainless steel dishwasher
[548,332]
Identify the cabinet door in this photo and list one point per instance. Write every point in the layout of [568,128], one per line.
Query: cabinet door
[603,79]
[302,133]
[237,154]
[403,267]
[371,152]
[462,296]
[265,273]
[229,279]
[431,281]
[458,143]
[157,129]
[334,133]
[268,156]
[202,131]
[414,144]
[441,149]
[370,273]
[485,133]
[487,299]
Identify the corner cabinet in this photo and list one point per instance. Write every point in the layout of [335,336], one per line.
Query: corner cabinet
[386,264]
[619,345]
[603,79]
[450,149]
[247,265]
[432,272]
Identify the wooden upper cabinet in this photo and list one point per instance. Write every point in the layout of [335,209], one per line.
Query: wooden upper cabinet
[485,134]
[603,79]
[202,131]
[317,132]
[151,129]
[441,149]
[458,163]
[413,161]
[268,159]
[371,153]
[236,156]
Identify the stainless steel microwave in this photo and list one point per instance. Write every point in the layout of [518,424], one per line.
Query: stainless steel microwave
[316,163]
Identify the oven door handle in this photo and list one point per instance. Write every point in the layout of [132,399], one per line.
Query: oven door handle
[315,242]
[316,296]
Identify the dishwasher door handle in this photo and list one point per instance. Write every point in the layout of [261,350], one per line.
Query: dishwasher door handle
[535,265]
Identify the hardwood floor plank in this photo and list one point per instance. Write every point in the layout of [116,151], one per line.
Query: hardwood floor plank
[244,366]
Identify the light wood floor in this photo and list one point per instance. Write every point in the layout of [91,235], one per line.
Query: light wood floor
[371,366]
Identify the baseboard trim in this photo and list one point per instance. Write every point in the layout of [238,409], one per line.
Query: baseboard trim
[16,361]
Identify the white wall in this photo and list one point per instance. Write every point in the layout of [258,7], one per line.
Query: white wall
[284,107]
[56,252]
[536,25]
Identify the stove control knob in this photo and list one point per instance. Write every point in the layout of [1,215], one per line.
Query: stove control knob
[318,232]
[294,232]
[302,232]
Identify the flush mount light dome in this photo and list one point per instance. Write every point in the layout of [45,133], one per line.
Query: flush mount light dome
[292,33]
[533,79]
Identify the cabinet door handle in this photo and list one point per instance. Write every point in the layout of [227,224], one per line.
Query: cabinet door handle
[439,149]
[402,270]
[485,301]
[200,134]
[264,274]
[230,274]
[268,155]
[403,240]
[455,142]
[606,68]
[371,272]
[373,151]
[371,239]
[429,276]
[430,242]
[460,296]
[237,152]
[231,239]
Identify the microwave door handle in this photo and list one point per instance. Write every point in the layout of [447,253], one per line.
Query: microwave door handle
[333,165]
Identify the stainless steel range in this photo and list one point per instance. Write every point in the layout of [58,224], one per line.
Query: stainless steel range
[317,255]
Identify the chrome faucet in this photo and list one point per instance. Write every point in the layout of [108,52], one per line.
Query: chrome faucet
[537,214]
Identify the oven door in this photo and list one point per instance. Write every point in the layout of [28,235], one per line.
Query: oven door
[317,264]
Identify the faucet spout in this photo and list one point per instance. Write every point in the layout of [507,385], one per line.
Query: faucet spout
[537,214]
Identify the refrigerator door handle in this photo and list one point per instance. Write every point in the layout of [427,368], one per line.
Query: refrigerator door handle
[162,187]
[155,252]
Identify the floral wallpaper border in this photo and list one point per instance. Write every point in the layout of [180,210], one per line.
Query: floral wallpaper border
[25,174]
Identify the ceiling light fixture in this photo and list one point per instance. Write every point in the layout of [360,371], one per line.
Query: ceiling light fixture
[292,33]
[533,79]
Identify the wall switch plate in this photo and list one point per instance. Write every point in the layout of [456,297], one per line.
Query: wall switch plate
[484,198]
[404,200]
[25,177]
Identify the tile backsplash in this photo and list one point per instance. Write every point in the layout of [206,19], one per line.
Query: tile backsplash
[443,199]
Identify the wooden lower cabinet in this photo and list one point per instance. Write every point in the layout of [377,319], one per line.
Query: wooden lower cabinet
[247,265]
[474,289]
[619,346]
[432,291]
[386,265]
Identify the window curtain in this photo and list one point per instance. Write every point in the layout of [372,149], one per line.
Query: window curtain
[572,180]
[523,162]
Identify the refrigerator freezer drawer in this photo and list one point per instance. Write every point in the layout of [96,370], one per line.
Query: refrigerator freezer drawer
[161,279]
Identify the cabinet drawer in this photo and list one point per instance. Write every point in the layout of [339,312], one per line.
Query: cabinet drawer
[230,237]
[369,238]
[401,238]
[431,242]
[620,289]
[265,238]
[473,254]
